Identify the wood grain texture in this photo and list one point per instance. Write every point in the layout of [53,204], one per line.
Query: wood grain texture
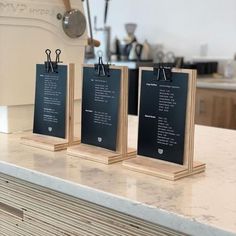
[102,155]
[167,170]
[67,5]
[53,143]
[216,107]
[18,213]
[51,213]
[71,97]
[162,169]
[232,124]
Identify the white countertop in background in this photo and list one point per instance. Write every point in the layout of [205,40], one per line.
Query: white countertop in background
[213,83]
[201,205]
[202,82]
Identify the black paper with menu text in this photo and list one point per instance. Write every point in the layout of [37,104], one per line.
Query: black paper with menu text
[50,102]
[162,117]
[100,108]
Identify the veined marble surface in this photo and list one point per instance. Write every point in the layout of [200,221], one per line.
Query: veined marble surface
[202,205]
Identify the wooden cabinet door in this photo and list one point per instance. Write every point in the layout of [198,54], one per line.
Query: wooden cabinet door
[221,110]
[216,107]
[204,107]
[233,112]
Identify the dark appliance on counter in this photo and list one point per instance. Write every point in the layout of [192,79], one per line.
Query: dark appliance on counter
[134,86]
[133,91]
[202,67]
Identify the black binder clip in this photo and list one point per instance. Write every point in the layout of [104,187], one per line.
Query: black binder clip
[52,66]
[163,71]
[58,53]
[101,69]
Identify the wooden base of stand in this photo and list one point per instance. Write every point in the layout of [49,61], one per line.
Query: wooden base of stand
[98,154]
[162,169]
[47,143]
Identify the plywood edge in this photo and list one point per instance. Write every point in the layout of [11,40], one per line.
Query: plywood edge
[189,126]
[45,142]
[106,156]
[76,141]
[93,153]
[50,143]
[131,152]
[98,154]
[198,168]
[162,169]
[154,164]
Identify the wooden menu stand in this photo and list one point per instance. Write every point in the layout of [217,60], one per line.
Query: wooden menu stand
[168,170]
[53,143]
[163,169]
[102,155]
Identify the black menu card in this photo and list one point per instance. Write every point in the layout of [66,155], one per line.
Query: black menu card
[100,108]
[162,117]
[50,102]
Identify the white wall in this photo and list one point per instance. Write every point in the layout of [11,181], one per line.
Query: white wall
[181,25]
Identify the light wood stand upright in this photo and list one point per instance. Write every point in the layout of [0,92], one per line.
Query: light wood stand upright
[53,143]
[102,155]
[168,170]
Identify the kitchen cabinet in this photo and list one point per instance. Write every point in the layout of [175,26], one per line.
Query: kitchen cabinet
[233,112]
[216,107]
[204,105]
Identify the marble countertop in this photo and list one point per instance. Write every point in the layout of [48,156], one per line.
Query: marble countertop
[204,204]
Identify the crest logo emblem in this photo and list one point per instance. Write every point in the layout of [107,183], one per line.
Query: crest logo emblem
[160,151]
[99,139]
[50,129]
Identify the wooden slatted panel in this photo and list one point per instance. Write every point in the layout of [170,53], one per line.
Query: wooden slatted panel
[47,213]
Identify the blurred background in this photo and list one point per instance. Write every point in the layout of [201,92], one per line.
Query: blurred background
[190,34]
[187,27]
[199,35]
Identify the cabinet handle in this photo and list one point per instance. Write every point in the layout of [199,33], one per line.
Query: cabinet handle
[201,109]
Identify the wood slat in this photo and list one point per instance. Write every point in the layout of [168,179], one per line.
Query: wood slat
[67,206]
[60,214]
